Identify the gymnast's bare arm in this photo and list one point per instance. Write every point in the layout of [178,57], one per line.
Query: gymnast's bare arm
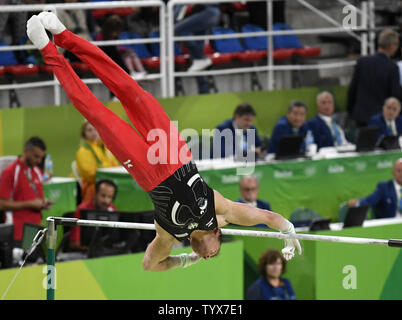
[228,211]
[157,256]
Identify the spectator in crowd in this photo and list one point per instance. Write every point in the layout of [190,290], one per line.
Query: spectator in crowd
[293,123]
[196,20]
[227,131]
[91,155]
[249,189]
[75,20]
[326,131]
[375,78]
[124,57]
[21,188]
[270,285]
[389,121]
[386,199]
[105,193]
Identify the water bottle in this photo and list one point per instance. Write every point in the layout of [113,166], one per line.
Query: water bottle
[48,168]
[311,147]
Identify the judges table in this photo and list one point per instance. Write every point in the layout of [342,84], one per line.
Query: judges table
[321,183]
[63,191]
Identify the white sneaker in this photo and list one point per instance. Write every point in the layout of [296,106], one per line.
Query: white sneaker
[51,22]
[37,33]
[200,64]
[138,76]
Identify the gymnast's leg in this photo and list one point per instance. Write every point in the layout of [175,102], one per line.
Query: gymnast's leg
[117,134]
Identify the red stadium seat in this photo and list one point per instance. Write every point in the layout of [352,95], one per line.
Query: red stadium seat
[307,52]
[217,57]
[251,55]
[44,68]
[151,63]
[2,70]
[122,12]
[182,60]
[22,69]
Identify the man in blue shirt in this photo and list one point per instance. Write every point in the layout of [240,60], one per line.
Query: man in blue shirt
[231,135]
[389,121]
[293,123]
[249,189]
[326,131]
[386,199]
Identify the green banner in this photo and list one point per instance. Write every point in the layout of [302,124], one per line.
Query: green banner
[122,277]
[321,185]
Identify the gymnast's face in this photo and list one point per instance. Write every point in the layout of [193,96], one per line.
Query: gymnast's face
[208,246]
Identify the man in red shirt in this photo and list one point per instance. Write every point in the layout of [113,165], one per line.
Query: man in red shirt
[21,187]
[105,192]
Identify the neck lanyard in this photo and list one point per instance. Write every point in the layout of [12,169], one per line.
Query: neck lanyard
[31,183]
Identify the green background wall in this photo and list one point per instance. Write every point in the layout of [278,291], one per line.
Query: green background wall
[60,126]
[318,273]
[121,277]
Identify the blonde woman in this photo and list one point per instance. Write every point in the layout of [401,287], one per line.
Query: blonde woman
[91,155]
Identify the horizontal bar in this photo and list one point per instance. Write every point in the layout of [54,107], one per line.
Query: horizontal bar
[79,6]
[235,232]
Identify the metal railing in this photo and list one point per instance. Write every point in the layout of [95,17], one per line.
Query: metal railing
[366,17]
[88,6]
[167,73]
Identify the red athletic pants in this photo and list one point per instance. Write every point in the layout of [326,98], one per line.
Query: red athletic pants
[136,152]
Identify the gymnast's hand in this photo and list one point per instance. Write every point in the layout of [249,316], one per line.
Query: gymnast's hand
[290,244]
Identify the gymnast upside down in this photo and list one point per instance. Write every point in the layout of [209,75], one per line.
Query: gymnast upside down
[185,206]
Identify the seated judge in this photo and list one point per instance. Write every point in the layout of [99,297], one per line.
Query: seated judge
[326,131]
[105,193]
[293,123]
[249,189]
[389,121]
[242,120]
[386,198]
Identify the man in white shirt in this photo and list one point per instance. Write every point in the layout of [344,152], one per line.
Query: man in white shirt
[386,199]
[326,131]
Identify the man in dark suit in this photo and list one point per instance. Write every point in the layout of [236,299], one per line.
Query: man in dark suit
[386,199]
[293,123]
[389,121]
[228,135]
[375,78]
[326,131]
[249,189]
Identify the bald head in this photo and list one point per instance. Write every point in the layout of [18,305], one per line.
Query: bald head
[249,188]
[391,108]
[325,103]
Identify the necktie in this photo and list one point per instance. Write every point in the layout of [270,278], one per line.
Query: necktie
[337,133]
[390,132]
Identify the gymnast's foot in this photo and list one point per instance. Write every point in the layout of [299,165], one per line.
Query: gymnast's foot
[51,22]
[37,33]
